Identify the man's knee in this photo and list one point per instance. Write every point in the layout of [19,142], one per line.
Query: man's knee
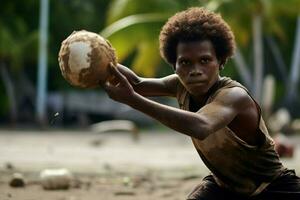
[206,190]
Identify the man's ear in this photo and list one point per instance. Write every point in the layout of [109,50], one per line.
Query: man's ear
[174,67]
[221,67]
[222,64]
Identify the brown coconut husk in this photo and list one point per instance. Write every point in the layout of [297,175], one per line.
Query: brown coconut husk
[101,55]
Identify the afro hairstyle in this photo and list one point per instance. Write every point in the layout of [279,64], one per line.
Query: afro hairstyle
[196,24]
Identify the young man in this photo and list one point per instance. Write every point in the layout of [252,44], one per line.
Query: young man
[222,119]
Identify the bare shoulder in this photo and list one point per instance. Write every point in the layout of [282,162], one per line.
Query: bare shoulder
[234,97]
[246,119]
[170,83]
[173,78]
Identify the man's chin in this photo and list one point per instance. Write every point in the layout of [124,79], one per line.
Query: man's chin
[198,91]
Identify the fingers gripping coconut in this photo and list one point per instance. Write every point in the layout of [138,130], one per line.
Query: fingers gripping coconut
[120,89]
[84,59]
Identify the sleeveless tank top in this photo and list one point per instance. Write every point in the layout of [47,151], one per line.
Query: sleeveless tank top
[235,165]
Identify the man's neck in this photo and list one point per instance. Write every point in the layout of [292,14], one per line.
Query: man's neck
[201,99]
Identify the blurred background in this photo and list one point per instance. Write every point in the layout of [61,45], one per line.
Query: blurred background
[35,98]
[32,89]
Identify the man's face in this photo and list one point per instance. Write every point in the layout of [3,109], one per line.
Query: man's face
[197,66]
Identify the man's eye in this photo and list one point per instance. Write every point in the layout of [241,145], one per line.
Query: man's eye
[204,60]
[184,62]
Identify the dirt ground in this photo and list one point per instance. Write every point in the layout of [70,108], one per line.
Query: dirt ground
[105,166]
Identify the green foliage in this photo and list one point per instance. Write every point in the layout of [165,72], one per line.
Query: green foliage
[133,27]
[65,17]
[275,13]
[138,32]
[4,109]
[18,35]
[119,9]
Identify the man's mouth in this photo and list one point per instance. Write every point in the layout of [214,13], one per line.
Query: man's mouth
[196,82]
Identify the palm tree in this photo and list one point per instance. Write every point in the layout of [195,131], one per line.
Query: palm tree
[244,16]
[292,86]
[15,41]
[133,28]
[263,16]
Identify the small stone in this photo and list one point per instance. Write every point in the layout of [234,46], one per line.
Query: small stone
[9,166]
[17,180]
[97,142]
[124,193]
[126,181]
[76,183]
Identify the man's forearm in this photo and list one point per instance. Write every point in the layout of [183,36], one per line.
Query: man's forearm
[182,121]
[148,86]
[129,74]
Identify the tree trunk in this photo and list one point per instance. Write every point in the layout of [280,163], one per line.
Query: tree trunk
[10,91]
[258,55]
[27,87]
[41,98]
[292,89]
[267,99]
[281,66]
[242,68]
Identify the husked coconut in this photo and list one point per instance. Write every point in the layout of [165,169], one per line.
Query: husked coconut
[56,179]
[17,180]
[84,59]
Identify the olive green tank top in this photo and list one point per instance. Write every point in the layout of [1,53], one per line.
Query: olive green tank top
[236,165]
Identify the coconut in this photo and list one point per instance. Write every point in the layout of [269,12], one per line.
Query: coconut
[84,59]
[56,179]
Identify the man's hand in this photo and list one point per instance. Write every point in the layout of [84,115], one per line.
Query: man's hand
[120,90]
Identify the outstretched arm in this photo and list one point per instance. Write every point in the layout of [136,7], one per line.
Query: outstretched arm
[165,86]
[199,125]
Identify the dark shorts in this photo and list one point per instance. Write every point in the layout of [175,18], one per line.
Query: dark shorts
[285,187]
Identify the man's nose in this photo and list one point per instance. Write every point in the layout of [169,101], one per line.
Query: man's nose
[196,72]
